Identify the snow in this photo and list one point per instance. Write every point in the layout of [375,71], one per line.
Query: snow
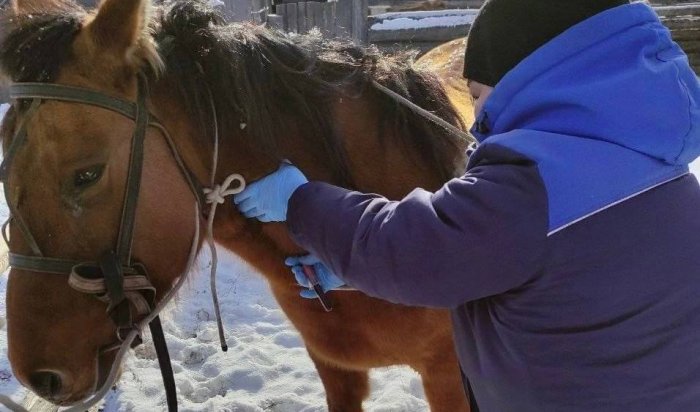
[265,369]
[422,19]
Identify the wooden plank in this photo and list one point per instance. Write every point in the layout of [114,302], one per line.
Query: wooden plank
[688,34]
[430,34]
[256,9]
[316,13]
[343,19]
[333,29]
[328,19]
[360,11]
[301,17]
[682,22]
[275,21]
[678,10]
[291,16]
[266,9]
[691,46]
[308,23]
[282,12]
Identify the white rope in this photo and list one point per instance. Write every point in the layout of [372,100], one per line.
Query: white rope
[217,196]
[454,130]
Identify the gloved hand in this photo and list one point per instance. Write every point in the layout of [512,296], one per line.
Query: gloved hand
[327,279]
[267,198]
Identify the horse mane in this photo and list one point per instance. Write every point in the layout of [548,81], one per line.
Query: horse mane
[254,73]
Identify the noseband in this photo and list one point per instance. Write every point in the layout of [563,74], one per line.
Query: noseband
[116,278]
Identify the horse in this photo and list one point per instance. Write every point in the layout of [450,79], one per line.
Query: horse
[270,96]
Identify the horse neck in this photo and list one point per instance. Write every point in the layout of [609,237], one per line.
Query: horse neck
[193,142]
[377,163]
[378,159]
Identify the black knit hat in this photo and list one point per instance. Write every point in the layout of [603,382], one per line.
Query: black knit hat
[507,31]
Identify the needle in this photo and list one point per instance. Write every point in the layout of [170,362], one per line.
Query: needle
[316,286]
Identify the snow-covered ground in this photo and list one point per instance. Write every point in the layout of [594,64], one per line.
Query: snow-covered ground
[265,369]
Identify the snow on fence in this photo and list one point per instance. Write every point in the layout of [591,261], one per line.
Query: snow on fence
[419,29]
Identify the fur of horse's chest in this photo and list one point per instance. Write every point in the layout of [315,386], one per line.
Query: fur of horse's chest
[362,331]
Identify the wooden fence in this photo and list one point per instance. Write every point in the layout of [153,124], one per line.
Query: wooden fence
[684,22]
[338,18]
[421,30]
[394,30]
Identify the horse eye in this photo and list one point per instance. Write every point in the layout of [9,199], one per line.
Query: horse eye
[83,178]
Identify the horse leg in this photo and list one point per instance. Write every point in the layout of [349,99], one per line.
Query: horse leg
[345,389]
[442,383]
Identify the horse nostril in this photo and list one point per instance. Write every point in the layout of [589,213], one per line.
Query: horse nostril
[46,384]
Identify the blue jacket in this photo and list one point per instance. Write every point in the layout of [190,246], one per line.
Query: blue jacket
[569,254]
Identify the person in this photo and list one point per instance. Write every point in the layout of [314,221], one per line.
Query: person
[568,252]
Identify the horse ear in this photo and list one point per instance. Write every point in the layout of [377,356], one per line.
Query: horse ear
[120,24]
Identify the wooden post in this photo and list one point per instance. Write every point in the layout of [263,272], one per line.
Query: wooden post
[301,17]
[237,10]
[282,12]
[291,16]
[275,21]
[256,12]
[343,19]
[329,19]
[360,12]
[316,13]
[266,9]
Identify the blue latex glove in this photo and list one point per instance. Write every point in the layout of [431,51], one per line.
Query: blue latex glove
[267,198]
[327,279]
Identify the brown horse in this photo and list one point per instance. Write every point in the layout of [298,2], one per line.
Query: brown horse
[301,98]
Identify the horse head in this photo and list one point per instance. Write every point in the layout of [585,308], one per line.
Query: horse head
[67,188]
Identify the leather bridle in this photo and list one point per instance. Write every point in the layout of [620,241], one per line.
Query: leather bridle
[115,278]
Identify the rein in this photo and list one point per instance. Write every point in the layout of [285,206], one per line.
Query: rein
[454,130]
[116,278]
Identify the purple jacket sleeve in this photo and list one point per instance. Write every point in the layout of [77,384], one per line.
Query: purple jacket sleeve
[479,235]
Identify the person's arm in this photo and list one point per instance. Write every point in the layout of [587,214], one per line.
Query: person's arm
[479,235]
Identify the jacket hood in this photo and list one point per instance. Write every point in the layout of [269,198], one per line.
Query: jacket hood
[616,77]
